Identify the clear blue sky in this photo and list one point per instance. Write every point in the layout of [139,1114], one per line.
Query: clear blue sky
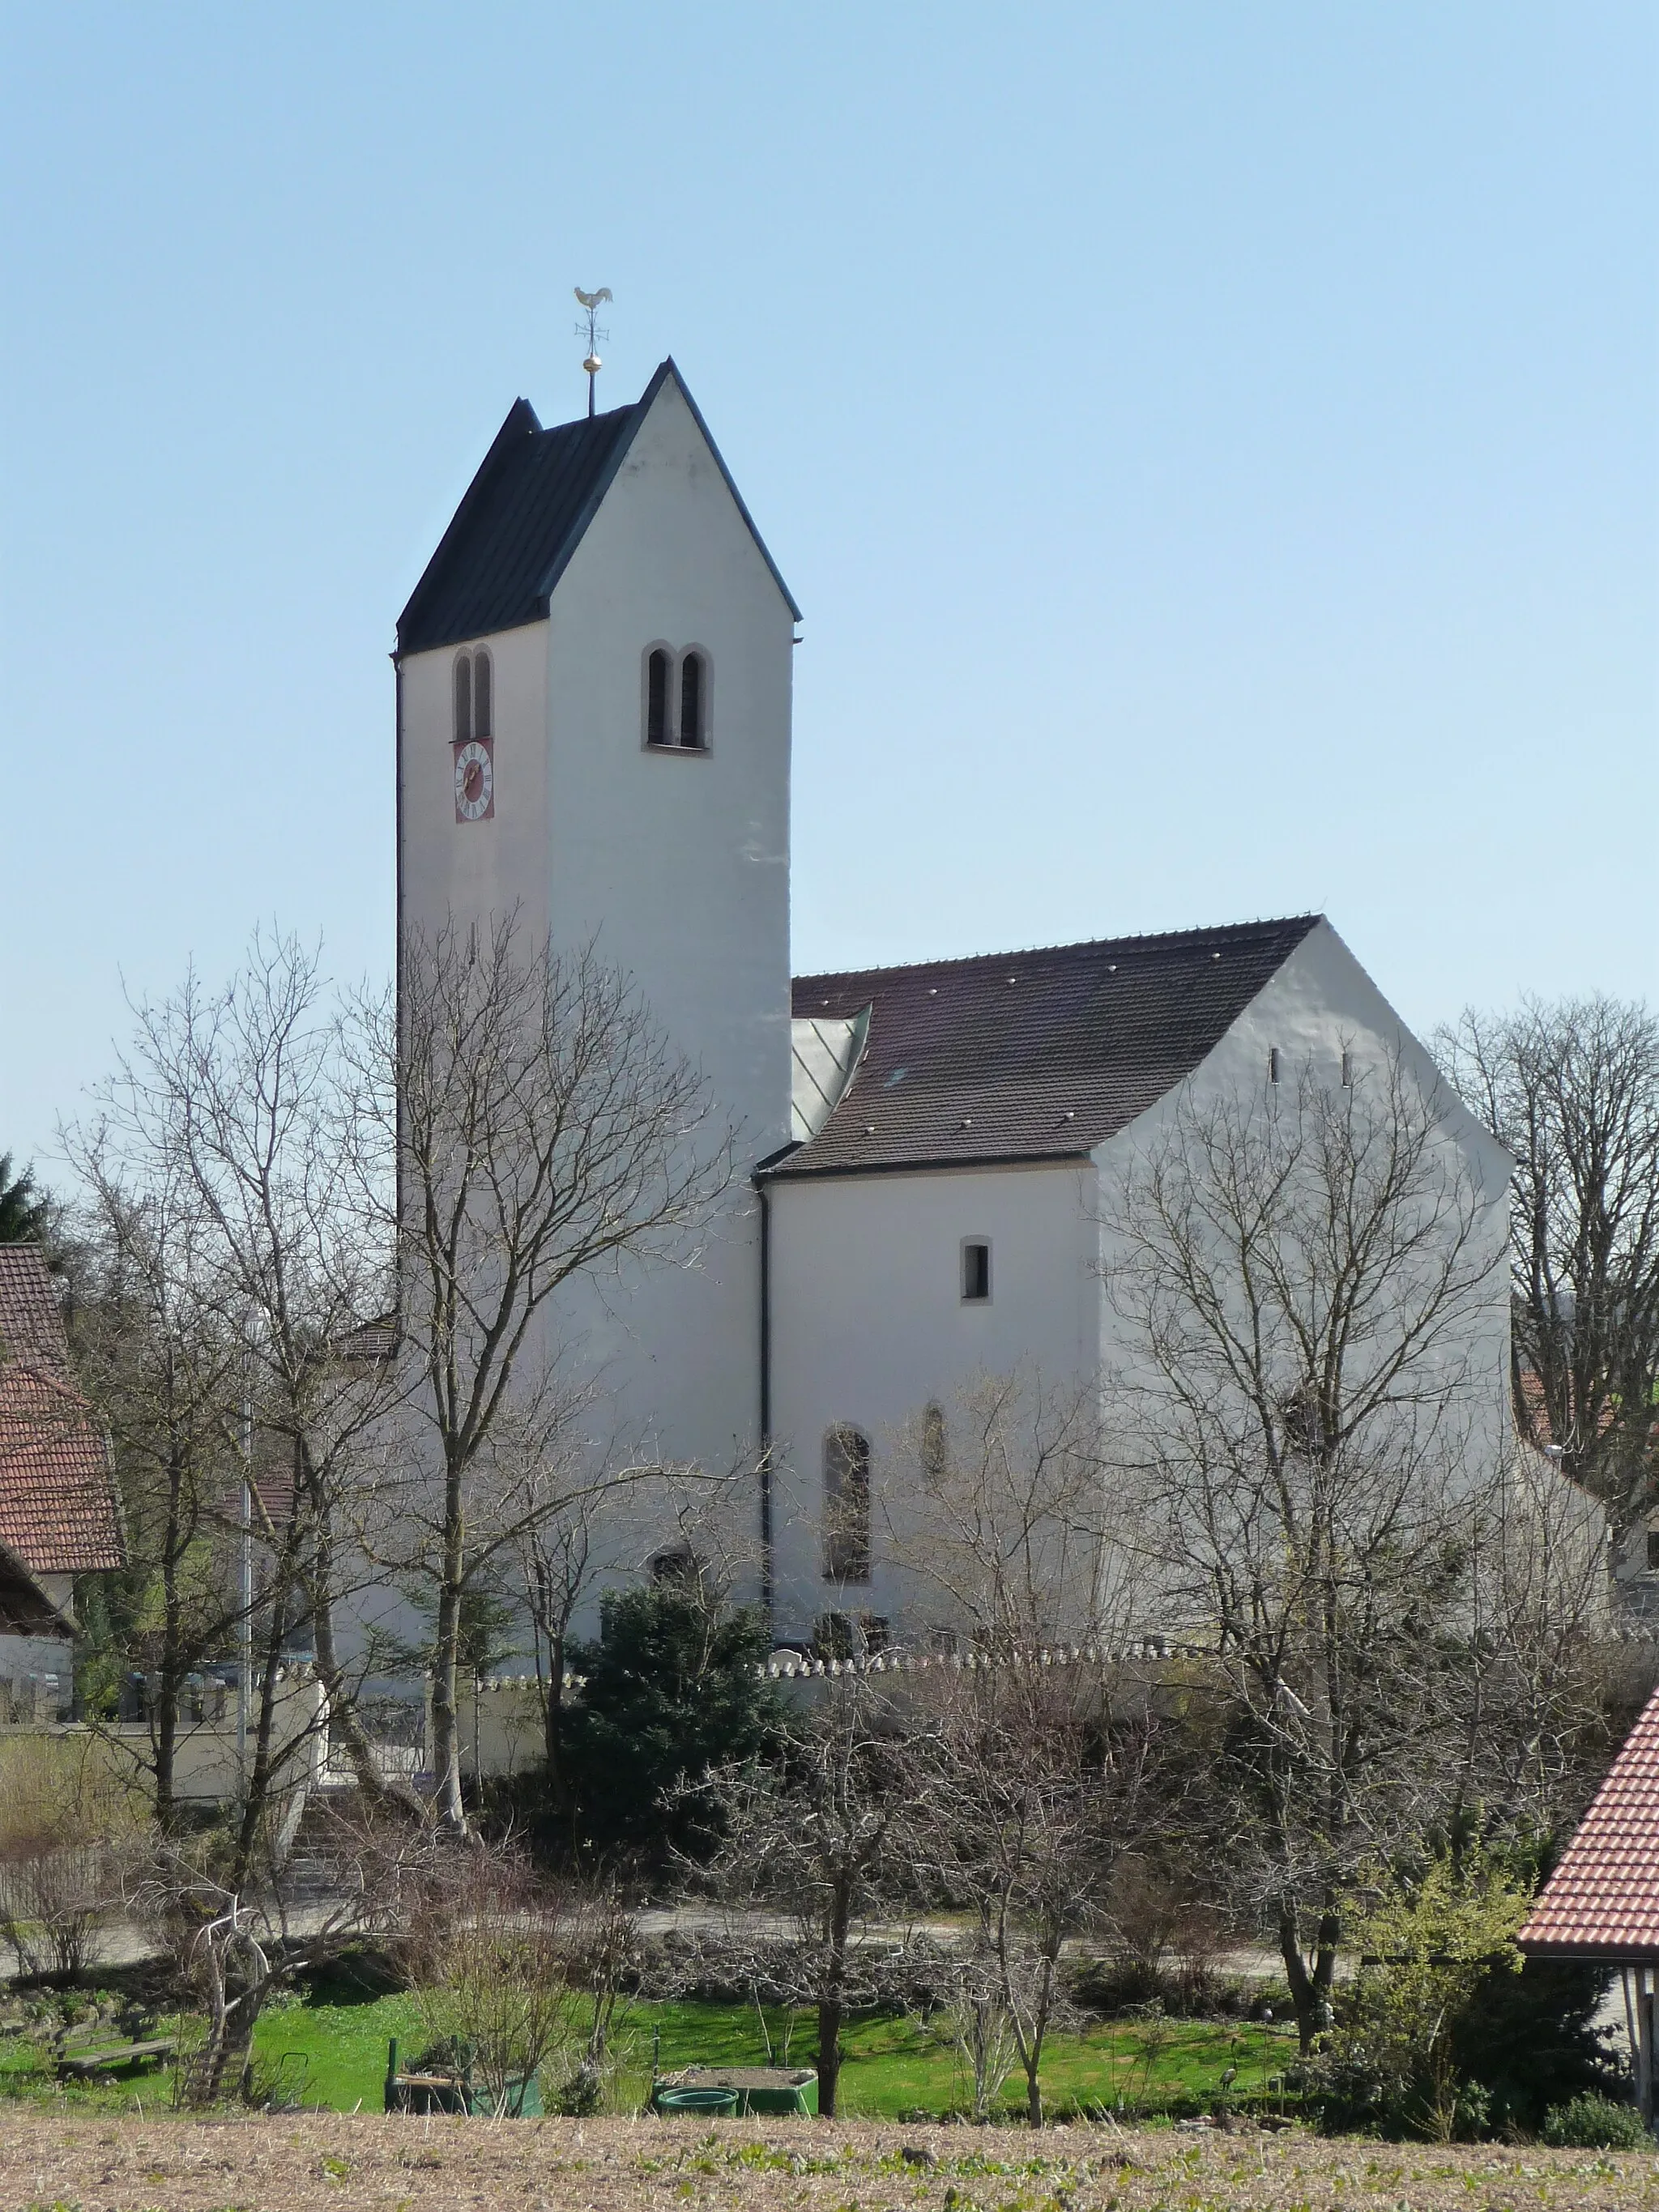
[1214,446]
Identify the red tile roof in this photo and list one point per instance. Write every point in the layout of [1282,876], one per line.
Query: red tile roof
[1602,1901]
[58,1510]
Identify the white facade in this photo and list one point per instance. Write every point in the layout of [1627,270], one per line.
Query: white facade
[673,863]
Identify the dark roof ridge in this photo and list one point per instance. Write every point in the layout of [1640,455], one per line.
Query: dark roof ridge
[510,504]
[1084,945]
[959,1069]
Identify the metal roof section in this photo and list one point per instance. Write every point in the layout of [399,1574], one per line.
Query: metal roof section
[1028,1056]
[525,513]
[823,1053]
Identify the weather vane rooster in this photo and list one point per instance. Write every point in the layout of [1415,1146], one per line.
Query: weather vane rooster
[591,302]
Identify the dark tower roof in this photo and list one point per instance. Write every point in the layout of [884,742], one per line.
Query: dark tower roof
[523,514]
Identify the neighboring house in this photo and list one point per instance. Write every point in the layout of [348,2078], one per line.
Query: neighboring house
[57,1506]
[594,731]
[1601,1904]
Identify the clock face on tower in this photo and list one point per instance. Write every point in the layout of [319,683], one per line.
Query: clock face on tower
[475,782]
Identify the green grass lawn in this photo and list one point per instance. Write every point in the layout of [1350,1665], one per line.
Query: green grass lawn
[332,2052]
[335,2054]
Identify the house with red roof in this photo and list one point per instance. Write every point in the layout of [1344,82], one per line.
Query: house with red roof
[1602,1901]
[58,1516]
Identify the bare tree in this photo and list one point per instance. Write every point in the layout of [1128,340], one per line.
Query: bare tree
[1309,1421]
[819,1834]
[163,1373]
[223,1126]
[521,1123]
[237,1949]
[490,1946]
[1034,1791]
[1573,1090]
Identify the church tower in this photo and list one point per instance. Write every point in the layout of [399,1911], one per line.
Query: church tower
[593,729]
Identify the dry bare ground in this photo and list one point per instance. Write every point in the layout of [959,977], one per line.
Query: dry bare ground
[297,2165]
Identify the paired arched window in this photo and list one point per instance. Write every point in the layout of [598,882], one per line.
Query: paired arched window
[474,706]
[845,1506]
[677,700]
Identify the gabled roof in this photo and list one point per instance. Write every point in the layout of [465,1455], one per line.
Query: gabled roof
[525,513]
[1029,1055]
[58,1510]
[1602,1901]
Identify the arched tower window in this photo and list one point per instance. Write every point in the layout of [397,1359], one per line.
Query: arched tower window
[463,698]
[691,702]
[483,719]
[845,1506]
[656,698]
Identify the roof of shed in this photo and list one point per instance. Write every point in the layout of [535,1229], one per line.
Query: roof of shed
[523,516]
[58,1510]
[1602,1901]
[1029,1055]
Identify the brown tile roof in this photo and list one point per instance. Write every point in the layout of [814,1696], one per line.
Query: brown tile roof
[1602,1901]
[31,1319]
[1029,1055]
[58,1510]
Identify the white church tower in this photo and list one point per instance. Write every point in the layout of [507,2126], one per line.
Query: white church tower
[593,729]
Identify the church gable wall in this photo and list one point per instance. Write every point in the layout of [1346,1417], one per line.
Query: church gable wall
[1321,1005]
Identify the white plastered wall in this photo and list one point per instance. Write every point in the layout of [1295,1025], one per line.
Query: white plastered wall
[1321,1004]
[473,870]
[869,1325]
[675,866]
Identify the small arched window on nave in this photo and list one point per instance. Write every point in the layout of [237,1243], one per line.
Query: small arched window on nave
[845,1506]
[691,702]
[656,697]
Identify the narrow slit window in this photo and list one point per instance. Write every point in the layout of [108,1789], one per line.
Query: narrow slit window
[691,702]
[656,699]
[463,698]
[1347,1071]
[1653,1550]
[845,1506]
[482,702]
[1273,1064]
[975,1272]
[935,1446]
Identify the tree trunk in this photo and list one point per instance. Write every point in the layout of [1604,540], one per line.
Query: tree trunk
[257,1781]
[446,1717]
[165,1738]
[831,1995]
[1310,1992]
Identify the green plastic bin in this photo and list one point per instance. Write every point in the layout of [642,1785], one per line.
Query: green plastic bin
[770,2090]
[708,2103]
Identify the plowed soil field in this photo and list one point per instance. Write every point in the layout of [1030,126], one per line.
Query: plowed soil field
[337,2160]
